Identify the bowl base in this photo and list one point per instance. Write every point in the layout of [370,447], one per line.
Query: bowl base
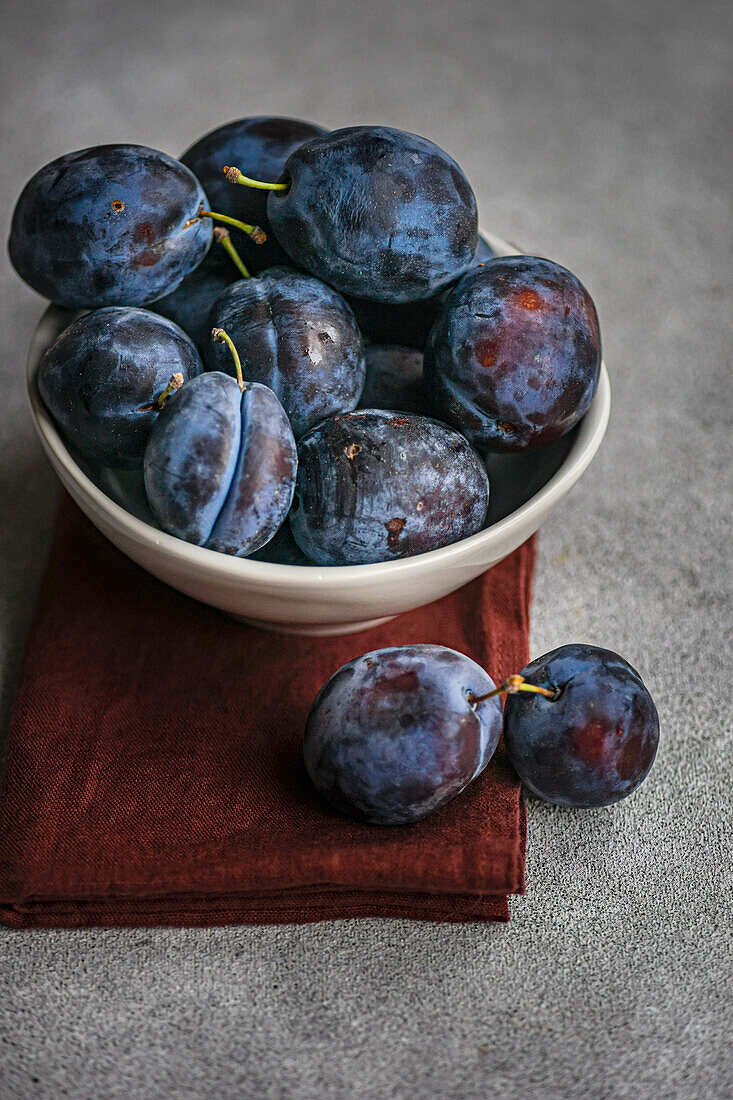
[317,630]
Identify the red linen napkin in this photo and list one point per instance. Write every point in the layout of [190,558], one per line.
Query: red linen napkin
[154,772]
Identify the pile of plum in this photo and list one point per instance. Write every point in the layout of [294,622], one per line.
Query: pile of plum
[298,336]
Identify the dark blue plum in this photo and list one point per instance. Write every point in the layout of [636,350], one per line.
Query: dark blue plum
[374,486]
[259,147]
[407,323]
[514,358]
[109,226]
[220,465]
[377,213]
[297,336]
[100,377]
[394,379]
[393,735]
[595,742]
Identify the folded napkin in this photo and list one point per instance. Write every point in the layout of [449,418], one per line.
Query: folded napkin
[154,772]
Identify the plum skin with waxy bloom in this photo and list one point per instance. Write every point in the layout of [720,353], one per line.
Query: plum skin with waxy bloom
[376,212]
[394,735]
[593,744]
[220,465]
[259,147]
[374,486]
[102,373]
[514,357]
[110,225]
[295,335]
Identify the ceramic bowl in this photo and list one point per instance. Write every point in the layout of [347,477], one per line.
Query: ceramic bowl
[525,489]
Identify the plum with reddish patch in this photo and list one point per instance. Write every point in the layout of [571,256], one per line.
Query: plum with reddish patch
[375,485]
[110,225]
[514,357]
[595,741]
[394,735]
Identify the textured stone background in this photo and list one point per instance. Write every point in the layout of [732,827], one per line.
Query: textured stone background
[599,135]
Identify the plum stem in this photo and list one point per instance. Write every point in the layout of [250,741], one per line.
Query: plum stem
[222,337]
[175,383]
[233,175]
[223,237]
[258,235]
[511,686]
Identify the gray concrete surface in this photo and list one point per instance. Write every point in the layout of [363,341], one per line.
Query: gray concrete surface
[597,134]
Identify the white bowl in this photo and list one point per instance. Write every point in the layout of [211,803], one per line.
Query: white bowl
[315,599]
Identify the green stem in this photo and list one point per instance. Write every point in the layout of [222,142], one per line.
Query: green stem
[222,337]
[258,235]
[235,176]
[511,686]
[223,237]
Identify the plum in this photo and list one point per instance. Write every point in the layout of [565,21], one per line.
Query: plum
[260,146]
[374,486]
[375,212]
[514,358]
[220,464]
[297,336]
[407,323]
[393,735]
[394,379]
[109,225]
[103,377]
[591,740]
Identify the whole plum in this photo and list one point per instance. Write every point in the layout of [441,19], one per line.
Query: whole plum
[514,357]
[591,743]
[101,377]
[260,147]
[110,225]
[394,379]
[393,735]
[220,465]
[376,212]
[297,336]
[374,486]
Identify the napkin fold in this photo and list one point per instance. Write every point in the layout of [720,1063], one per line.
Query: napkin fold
[154,772]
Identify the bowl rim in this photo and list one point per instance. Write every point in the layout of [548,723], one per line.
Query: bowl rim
[592,428]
